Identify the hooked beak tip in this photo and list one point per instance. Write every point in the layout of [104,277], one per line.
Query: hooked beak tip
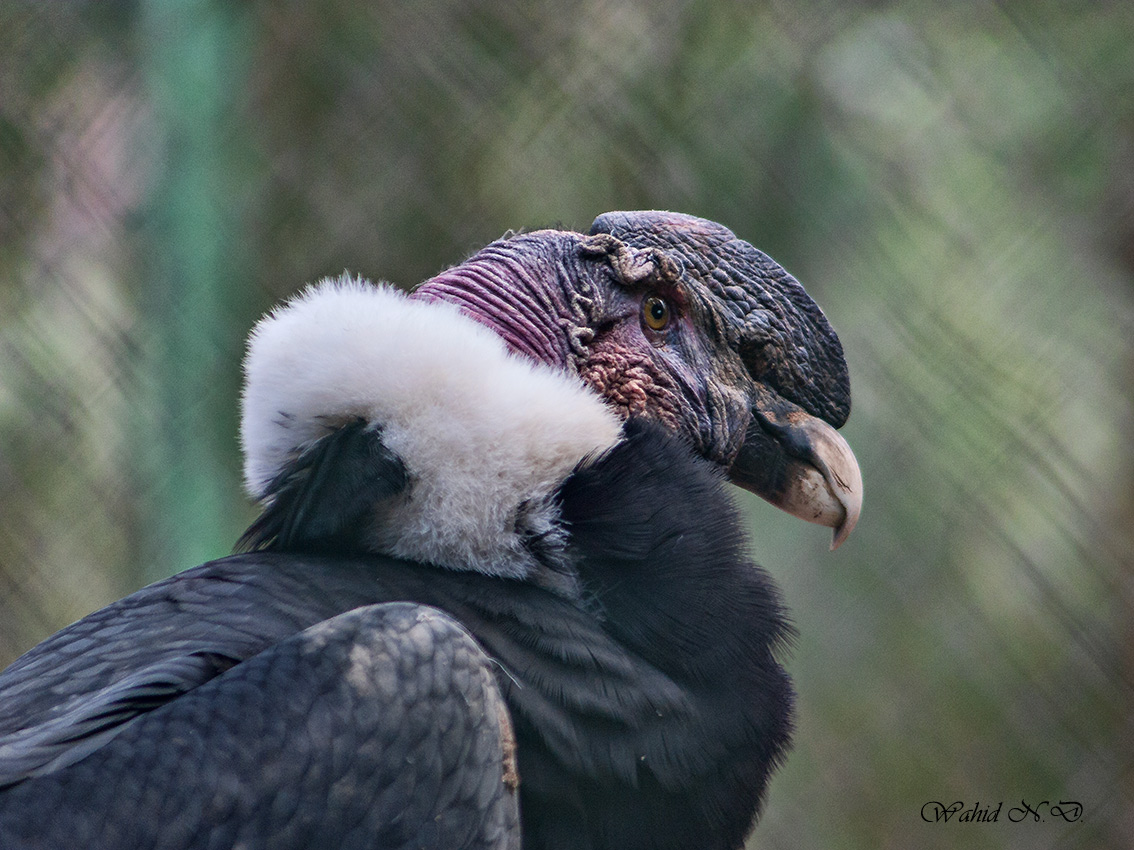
[835,460]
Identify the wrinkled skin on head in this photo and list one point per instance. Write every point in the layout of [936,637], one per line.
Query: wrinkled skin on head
[673,318]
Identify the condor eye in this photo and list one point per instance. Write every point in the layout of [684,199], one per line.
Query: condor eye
[655,312]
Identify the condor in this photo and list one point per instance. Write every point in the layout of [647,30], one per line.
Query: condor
[498,594]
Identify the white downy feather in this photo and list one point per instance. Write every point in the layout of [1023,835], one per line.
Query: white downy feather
[484,434]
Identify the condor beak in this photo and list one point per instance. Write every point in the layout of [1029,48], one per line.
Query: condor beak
[800,464]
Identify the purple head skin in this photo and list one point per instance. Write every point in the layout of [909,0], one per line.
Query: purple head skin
[672,317]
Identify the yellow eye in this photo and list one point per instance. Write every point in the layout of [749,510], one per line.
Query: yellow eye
[655,312]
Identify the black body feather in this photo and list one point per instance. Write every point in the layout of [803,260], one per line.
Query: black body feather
[648,711]
[320,502]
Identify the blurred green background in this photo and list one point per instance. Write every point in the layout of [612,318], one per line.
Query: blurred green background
[953,182]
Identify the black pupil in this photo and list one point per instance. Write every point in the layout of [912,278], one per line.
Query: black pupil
[657,309]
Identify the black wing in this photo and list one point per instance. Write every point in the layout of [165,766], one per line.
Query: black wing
[382,727]
[77,689]
[85,725]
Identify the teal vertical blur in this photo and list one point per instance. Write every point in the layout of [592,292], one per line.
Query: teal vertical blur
[194,61]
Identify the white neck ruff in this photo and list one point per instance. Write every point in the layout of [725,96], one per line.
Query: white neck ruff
[485,436]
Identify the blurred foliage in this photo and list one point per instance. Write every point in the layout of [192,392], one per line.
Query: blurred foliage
[953,182]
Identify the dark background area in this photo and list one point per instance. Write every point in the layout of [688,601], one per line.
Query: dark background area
[954,183]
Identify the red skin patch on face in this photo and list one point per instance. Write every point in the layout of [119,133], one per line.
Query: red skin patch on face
[636,387]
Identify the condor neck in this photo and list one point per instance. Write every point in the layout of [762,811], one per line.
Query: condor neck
[519,289]
[664,558]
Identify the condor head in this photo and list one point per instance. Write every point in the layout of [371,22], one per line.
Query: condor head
[673,318]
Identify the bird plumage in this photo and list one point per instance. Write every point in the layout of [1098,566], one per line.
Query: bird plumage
[498,589]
